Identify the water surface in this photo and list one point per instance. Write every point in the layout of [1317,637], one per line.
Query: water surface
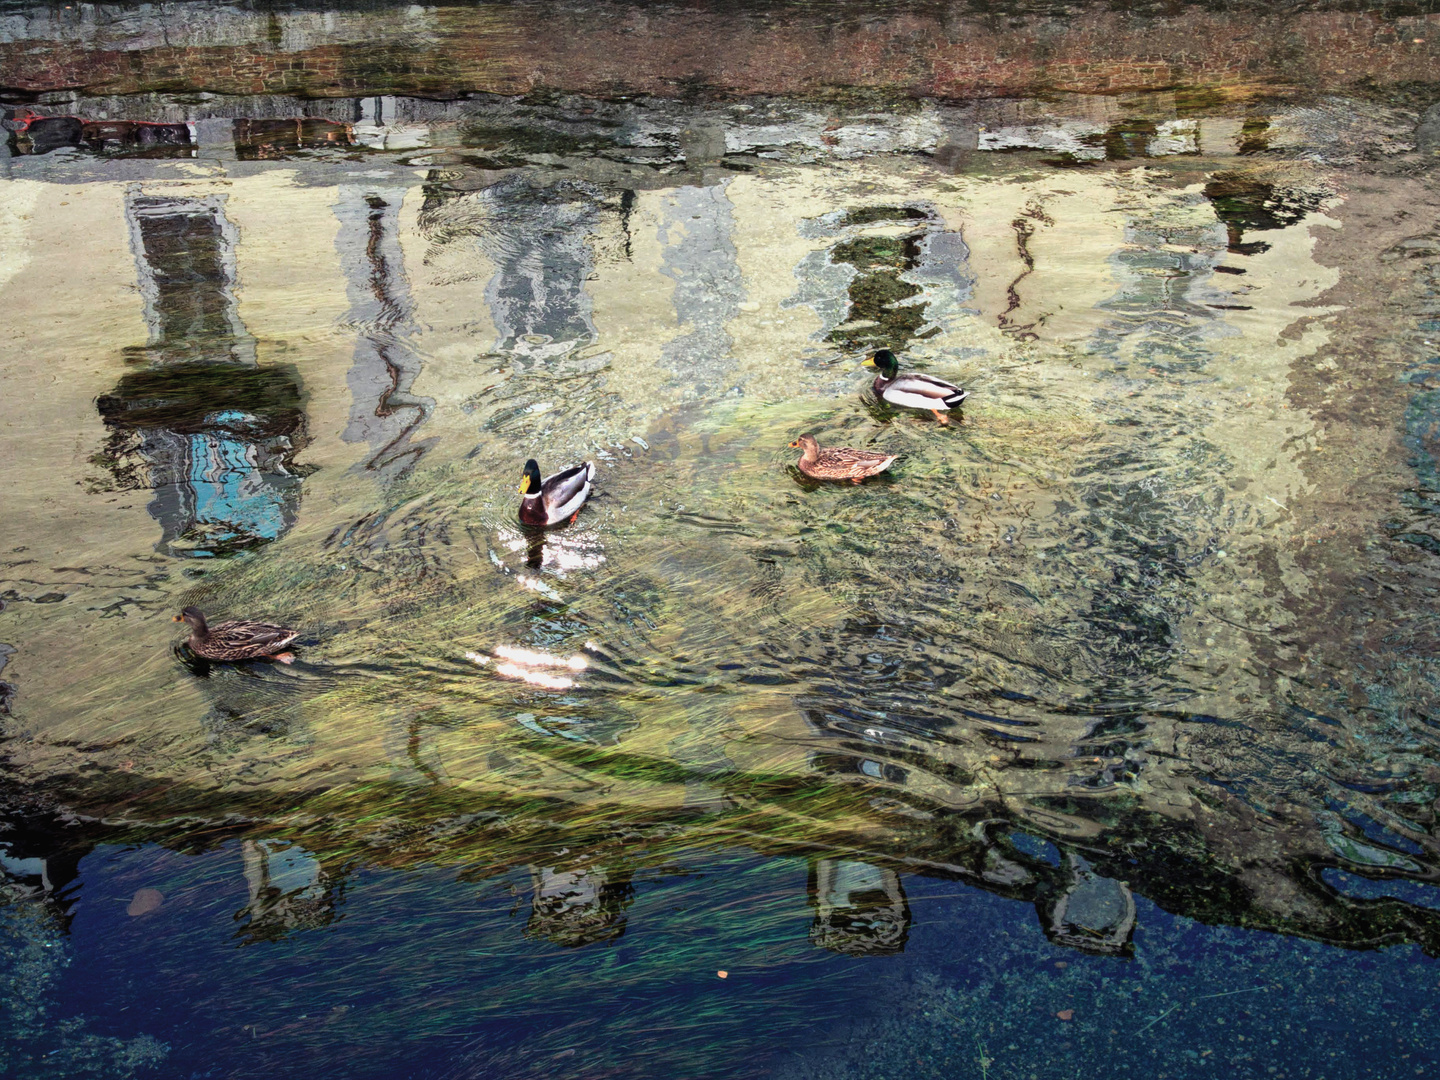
[1099,735]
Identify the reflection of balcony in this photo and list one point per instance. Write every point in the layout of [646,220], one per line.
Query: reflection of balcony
[216,443]
[578,906]
[289,890]
[860,910]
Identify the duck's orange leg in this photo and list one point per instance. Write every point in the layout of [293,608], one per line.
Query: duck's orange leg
[944,420]
[285,657]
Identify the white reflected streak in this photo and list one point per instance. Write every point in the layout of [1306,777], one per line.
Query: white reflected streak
[540,587]
[528,665]
[540,659]
[534,678]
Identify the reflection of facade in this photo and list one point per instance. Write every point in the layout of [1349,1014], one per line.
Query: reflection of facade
[289,890]
[581,905]
[538,239]
[950,747]
[385,414]
[860,910]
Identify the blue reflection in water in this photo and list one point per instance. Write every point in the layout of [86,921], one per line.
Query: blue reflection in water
[216,444]
[233,500]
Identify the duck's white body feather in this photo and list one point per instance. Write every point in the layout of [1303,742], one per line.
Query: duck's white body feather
[915,391]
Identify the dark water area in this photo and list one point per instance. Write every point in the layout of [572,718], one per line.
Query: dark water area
[1097,737]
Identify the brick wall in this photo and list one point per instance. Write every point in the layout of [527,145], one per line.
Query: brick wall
[633,48]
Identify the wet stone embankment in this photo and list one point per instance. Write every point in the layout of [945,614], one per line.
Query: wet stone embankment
[940,50]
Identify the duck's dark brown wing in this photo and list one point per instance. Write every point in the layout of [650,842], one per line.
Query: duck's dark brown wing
[240,638]
[846,462]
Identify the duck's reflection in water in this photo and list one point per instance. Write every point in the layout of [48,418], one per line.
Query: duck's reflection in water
[578,905]
[554,551]
[289,890]
[860,909]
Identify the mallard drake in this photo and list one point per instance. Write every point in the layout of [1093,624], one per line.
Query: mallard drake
[913,390]
[237,639]
[840,462]
[556,498]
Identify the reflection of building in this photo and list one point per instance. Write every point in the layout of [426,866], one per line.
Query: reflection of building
[581,905]
[860,910]
[289,890]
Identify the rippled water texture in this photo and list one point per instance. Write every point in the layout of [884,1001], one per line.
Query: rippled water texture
[1097,737]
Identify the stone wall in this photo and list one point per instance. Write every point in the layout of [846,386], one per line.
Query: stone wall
[927,50]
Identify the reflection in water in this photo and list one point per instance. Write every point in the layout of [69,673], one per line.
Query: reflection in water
[36,134]
[1250,203]
[385,413]
[210,432]
[216,443]
[184,250]
[860,910]
[696,228]
[1091,654]
[1094,914]
[278,140]
[905,276]
[289,890]
[537,237]
[578,904]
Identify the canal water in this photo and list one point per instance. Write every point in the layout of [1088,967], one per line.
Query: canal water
[1098,737]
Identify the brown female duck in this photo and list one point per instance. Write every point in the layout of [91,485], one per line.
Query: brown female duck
[237,639]
[841,462]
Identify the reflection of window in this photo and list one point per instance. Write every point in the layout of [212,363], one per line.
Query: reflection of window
[209,431]
[270,140]
[289,890]
[538,240]
[859,909]
[216,443]
[185,257]
[578,906]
